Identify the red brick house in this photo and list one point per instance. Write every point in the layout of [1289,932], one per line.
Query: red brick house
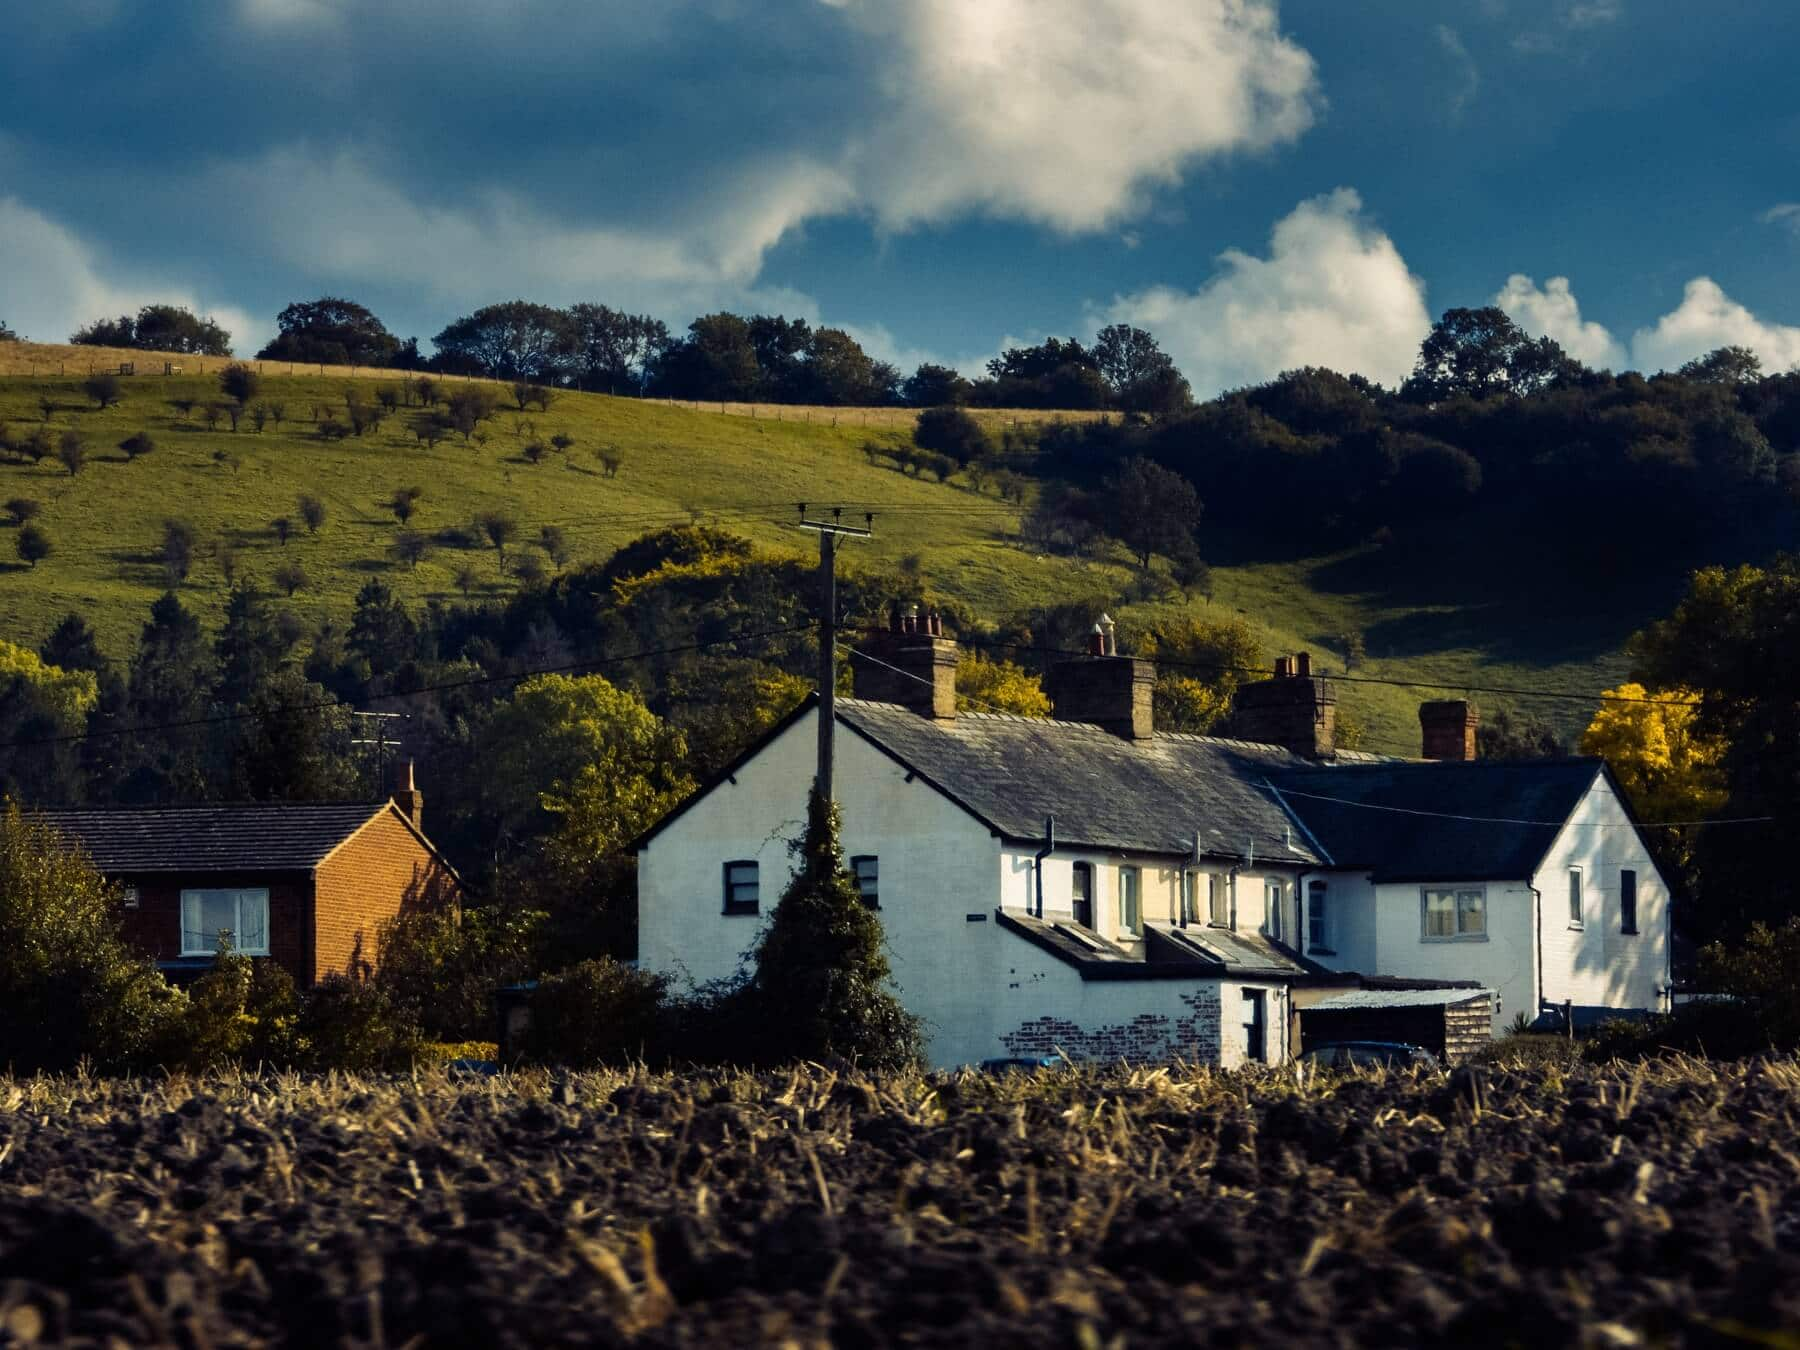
[305,884]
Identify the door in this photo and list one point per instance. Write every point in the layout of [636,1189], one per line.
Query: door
[1256,1026]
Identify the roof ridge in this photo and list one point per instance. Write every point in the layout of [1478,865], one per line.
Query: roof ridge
[122,808]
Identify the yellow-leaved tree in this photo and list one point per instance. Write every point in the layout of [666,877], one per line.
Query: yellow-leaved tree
[998,686]
[1652,742]
[67,695]
[1201,662]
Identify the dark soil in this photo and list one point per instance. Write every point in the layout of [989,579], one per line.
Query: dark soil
[1535,1208]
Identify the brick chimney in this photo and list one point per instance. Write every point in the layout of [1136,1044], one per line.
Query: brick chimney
[1447,728]
[912,664]
[1104,688]
[409,799]
[1296,709]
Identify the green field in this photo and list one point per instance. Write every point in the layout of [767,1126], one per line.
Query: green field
[1421,616]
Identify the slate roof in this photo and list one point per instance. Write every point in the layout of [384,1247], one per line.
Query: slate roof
[259,836]
[1523,805]
[1105,791]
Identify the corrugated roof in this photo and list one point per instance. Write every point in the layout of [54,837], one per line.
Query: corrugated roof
[1105,791]
[1395,998]
[1397,820]
[259,836]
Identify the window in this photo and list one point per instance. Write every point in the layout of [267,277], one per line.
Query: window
[1256,1026]
[1318,917]
[1129,900]
[1574,897]
[1081,894]
[1190,903]
[866,868]
[1218,899]
[1452,914]
[242,916]
[1272,907]
[131,898]
[1628,901]
[741,887]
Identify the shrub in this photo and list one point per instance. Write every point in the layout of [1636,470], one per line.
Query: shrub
[72,451]
[22,509]
[599,1012]
[37,446]
[70,985]
[103,389]
[312,511]
[290,577]
[239,383]
[351,1022]
[441,967]
[283,527]
[952,432]
[137,444]
[178,543]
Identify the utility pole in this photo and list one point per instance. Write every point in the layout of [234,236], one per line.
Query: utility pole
[380,741]
[828,532]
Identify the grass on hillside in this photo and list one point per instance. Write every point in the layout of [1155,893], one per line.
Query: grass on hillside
[106,525]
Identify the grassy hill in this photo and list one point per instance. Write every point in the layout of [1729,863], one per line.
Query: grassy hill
[1421,618]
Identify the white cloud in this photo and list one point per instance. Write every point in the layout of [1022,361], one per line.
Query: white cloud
[54,284]
[1592,13]
[1065,112]
[1785,214]
[1333,291]
[1554,313]
[1707,319]
[1468,74]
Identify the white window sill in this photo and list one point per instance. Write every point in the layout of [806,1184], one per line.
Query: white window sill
[1578,928]
[1459,937]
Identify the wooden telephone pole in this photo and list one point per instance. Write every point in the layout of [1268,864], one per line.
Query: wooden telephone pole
[828,532]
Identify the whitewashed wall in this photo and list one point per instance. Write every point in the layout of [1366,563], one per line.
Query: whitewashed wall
[1504,960]
[1353,935]
[1596,963]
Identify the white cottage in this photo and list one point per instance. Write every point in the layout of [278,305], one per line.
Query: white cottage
[1092,886]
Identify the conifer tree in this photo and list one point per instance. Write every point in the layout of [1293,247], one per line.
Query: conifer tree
[821,978]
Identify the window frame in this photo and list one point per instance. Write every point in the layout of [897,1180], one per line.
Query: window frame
[1218,900]
[870,898]
[733,905]
[1577,899]
[1319,935]
[1458,910]
[1628,912]
[238,895]
[1187,902]
[1274,897]
[1079,871]
[1135,875]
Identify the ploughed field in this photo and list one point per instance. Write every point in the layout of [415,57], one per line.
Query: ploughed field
[1527,1207]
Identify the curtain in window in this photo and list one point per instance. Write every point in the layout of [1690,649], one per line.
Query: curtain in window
[244,914]
[1440,913]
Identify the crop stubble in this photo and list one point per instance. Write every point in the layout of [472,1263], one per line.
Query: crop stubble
[1524,1207]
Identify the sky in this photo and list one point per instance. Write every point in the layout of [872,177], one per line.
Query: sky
[1261,185]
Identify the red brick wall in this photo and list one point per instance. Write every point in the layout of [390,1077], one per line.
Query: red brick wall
[155,925]
[379,871]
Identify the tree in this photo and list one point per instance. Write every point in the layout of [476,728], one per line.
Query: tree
[72,986]
[1153,511]
[820,984]
[7,334]
[1139,375]
[1482,353]
[1509,733]
[158,328]
[715,362]
[498,528]
[838,372]
[239,383]
[1731,366]
[177,551]
[170,687]
[283,527]
[73,646]
[72,451]
[950,431]
[312,511]
[248,648]
[555,543]
[404,502]
[382,632]
[138,443]
[468,408]
[984,685]
[933,386]
[32,545]
[612,350]
[412,547]
[331,331]
[294,744]
[22,509]
[529,569]
[1201,664]
[517,340]
[467,579]
[290,577]
[103,388]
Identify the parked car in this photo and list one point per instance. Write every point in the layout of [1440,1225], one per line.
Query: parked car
[1369,1055]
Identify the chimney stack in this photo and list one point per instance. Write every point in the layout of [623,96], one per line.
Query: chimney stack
[912,664]
[1447,729]
[1296,709]
[1109,690]
[409,799]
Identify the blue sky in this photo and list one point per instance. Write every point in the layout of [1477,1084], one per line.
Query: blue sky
[1263,186]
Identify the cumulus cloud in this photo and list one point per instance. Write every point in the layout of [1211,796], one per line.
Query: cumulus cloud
[1707,319]
[1332,291]
[1553,312]
[54,284]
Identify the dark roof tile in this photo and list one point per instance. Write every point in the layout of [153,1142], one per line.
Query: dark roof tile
[262,836]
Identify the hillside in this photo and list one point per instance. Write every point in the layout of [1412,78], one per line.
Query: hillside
[106,523]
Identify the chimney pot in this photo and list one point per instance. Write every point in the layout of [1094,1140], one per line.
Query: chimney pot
[1283,667]
[1096,642]
[1303,665]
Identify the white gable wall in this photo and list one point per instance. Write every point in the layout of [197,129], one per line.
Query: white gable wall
[1504,959]
[1595,963]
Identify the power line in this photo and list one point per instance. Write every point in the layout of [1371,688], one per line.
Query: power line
[470,683]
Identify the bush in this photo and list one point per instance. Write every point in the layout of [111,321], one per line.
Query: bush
[71,987]
[952,432]
[353,1023]
[239,383]
[599,1012]
[103,389]
[139,443]
[32,545]
[441,968]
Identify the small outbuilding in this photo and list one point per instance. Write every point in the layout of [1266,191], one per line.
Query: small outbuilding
[1451,1023]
